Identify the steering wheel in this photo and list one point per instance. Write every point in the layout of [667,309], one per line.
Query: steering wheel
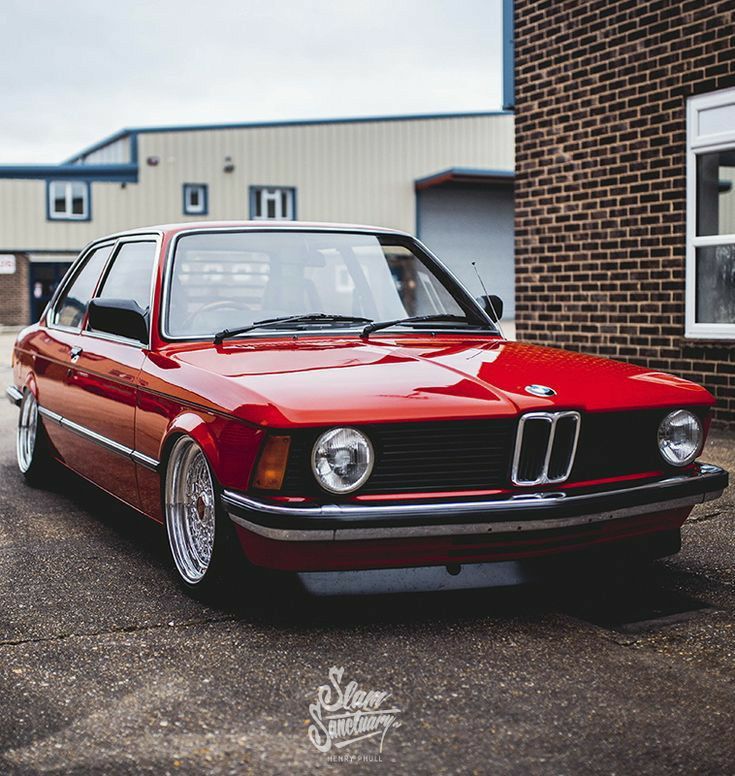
[212,307]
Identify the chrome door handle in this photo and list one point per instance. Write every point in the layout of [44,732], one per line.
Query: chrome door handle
[75,352]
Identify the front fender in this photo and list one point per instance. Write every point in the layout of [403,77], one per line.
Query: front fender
[230,446]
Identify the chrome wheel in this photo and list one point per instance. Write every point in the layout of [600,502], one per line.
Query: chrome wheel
[190,510]
[27,431]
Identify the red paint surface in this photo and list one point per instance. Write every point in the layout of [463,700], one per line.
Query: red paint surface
[226,396]
[439,551]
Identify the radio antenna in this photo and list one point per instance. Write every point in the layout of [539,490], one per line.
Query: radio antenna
[489,299]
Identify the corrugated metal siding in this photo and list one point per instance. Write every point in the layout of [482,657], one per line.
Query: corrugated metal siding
[117,152]
[359,172]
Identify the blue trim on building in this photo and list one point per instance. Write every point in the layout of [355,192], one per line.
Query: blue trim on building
[134,148]
[417,218]
[509,80]
[205,196]
[116,173]
[49,217]
[257,187]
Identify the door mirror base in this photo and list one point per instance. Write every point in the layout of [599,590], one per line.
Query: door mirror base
[121,317]
[492,305]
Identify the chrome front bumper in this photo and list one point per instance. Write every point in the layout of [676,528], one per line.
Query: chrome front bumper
[14,395]
[541,511]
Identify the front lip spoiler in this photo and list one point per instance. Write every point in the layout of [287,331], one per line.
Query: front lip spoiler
[527,512]
[14,395]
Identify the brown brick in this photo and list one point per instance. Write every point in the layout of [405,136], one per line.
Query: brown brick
[601,91]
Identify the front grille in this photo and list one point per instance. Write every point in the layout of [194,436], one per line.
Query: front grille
[478,454]
[420,457]
[545,446]
[613,444]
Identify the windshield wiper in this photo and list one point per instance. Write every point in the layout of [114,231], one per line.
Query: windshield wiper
[375,326]
[304,318]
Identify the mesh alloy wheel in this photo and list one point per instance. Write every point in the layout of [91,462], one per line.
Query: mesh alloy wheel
[191,514]
[27,433]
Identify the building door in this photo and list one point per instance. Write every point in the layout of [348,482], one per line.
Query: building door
[466,222]
[44,278]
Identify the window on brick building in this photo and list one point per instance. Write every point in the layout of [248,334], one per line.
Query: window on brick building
[710,296]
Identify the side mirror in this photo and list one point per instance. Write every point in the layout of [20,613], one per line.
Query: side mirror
[121,317]
[492,305]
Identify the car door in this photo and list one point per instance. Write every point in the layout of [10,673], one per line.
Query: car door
[58,341]
[102,381]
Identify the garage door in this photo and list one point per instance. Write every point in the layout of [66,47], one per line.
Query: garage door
[462,223]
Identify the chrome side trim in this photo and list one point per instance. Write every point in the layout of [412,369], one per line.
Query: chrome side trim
[99,439]
[50,415]
[144,460]
[14,395]
[103,441]
[551,418]
[413,532]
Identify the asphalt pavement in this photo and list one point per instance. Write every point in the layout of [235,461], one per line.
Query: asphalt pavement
[107,666]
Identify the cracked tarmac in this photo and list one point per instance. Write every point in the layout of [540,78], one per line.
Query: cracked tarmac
[106,666]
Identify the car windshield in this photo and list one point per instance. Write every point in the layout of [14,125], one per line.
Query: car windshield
[229,280]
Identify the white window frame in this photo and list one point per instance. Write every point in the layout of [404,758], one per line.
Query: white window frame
[68,197]
[275,193]
[201,208]
[701,143]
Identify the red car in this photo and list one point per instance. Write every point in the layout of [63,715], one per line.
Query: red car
[329,400]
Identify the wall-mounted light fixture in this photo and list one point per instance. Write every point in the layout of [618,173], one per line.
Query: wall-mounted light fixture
[229,164]
[152,161]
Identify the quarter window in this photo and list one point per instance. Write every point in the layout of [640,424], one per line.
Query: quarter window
[71,307]
[272,203]
[131,274]
[195,199]
[68,200]
[711,216]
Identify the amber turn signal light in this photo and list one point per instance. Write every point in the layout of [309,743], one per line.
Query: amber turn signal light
[272,463]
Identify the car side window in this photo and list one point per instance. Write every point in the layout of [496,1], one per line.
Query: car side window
[71,306]
[130,274]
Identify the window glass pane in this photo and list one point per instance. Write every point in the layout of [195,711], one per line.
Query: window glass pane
[228,280]
[271,207]
[193,197]
[58,196]
[716,284]
[78,201]
[71,307]
[131,273]
[716,193]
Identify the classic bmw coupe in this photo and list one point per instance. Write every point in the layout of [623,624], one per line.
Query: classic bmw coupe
[330,401]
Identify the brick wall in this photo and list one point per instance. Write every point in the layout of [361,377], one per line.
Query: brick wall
[601,90]
[14,301]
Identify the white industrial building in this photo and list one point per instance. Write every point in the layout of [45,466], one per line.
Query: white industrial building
[447,178]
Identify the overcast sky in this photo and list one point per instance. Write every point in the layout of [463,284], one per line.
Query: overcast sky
[75,71]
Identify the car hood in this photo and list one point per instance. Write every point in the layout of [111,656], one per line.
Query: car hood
[315,381]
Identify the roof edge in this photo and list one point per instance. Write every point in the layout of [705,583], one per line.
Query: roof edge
[120,134]
[464,175]
[127,173]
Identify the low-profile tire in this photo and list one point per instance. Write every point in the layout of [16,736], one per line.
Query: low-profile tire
[31,444]
[201,538]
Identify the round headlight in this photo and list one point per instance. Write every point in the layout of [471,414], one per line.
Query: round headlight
[342,459]
[680,437]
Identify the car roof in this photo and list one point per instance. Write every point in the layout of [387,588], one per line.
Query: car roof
[267,226]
